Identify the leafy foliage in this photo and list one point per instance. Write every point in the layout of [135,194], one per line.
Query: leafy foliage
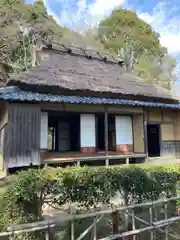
[20,25]
[87,187]
[123,27]
[139,46]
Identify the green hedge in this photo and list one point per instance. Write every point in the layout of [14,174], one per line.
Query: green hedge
[24,198]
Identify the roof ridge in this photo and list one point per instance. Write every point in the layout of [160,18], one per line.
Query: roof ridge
[84,52]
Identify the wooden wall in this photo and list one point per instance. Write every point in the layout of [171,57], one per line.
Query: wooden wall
[3,125]
[167,132]
[138,130]
[177,126]
[155,115]
[22,135]
[169,121]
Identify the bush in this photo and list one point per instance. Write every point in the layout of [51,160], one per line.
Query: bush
[87,186]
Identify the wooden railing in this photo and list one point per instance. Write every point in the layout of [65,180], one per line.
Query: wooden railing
[160,226]
[2,127]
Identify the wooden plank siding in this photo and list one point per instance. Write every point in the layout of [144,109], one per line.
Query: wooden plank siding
[138,131]
[169,131]
[22,135]
[3,125]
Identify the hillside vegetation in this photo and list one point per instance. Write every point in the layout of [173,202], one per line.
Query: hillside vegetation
[20,26]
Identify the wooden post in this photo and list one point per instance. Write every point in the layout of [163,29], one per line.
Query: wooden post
[47,235]
[115,223]
[133,223]
[151,220]
[72,226]
[72,230]
[106,135]
[166,217]
[107,162]
[11,237]
[145,117]
[53,139]
[95,229]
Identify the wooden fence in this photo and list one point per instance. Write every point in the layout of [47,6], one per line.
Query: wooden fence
[149,226]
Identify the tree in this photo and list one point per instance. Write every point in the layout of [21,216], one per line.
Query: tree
[156,70]
[123,29]
[20,26]
[138,44]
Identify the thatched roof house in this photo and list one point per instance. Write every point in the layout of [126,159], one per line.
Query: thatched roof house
[77,105]
[90,72]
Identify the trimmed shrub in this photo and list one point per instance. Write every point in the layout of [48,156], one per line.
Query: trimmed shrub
[86,186]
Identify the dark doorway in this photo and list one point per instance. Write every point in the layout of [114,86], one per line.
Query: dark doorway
[64,132]
[100,142]
[153,135]
[100,132]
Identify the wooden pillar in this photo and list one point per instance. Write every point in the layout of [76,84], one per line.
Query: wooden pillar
[106,134]
[44,131]
[53,139]
[145,134]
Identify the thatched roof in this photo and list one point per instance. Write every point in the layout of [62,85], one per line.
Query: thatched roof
[77,71]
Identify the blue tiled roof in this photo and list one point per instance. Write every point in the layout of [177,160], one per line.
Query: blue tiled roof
[41,97]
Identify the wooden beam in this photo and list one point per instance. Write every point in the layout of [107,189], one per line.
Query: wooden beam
[106,133]
[145,133]
[90,108]
[135,232]
[93,158]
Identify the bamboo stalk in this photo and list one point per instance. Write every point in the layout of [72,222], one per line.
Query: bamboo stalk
[72,229]
[169,220]
[133,223]
[147,223]
[155,219]
[95,229]
[47,235]
[166,217]
[134,232]
[151,220]
[96,220]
